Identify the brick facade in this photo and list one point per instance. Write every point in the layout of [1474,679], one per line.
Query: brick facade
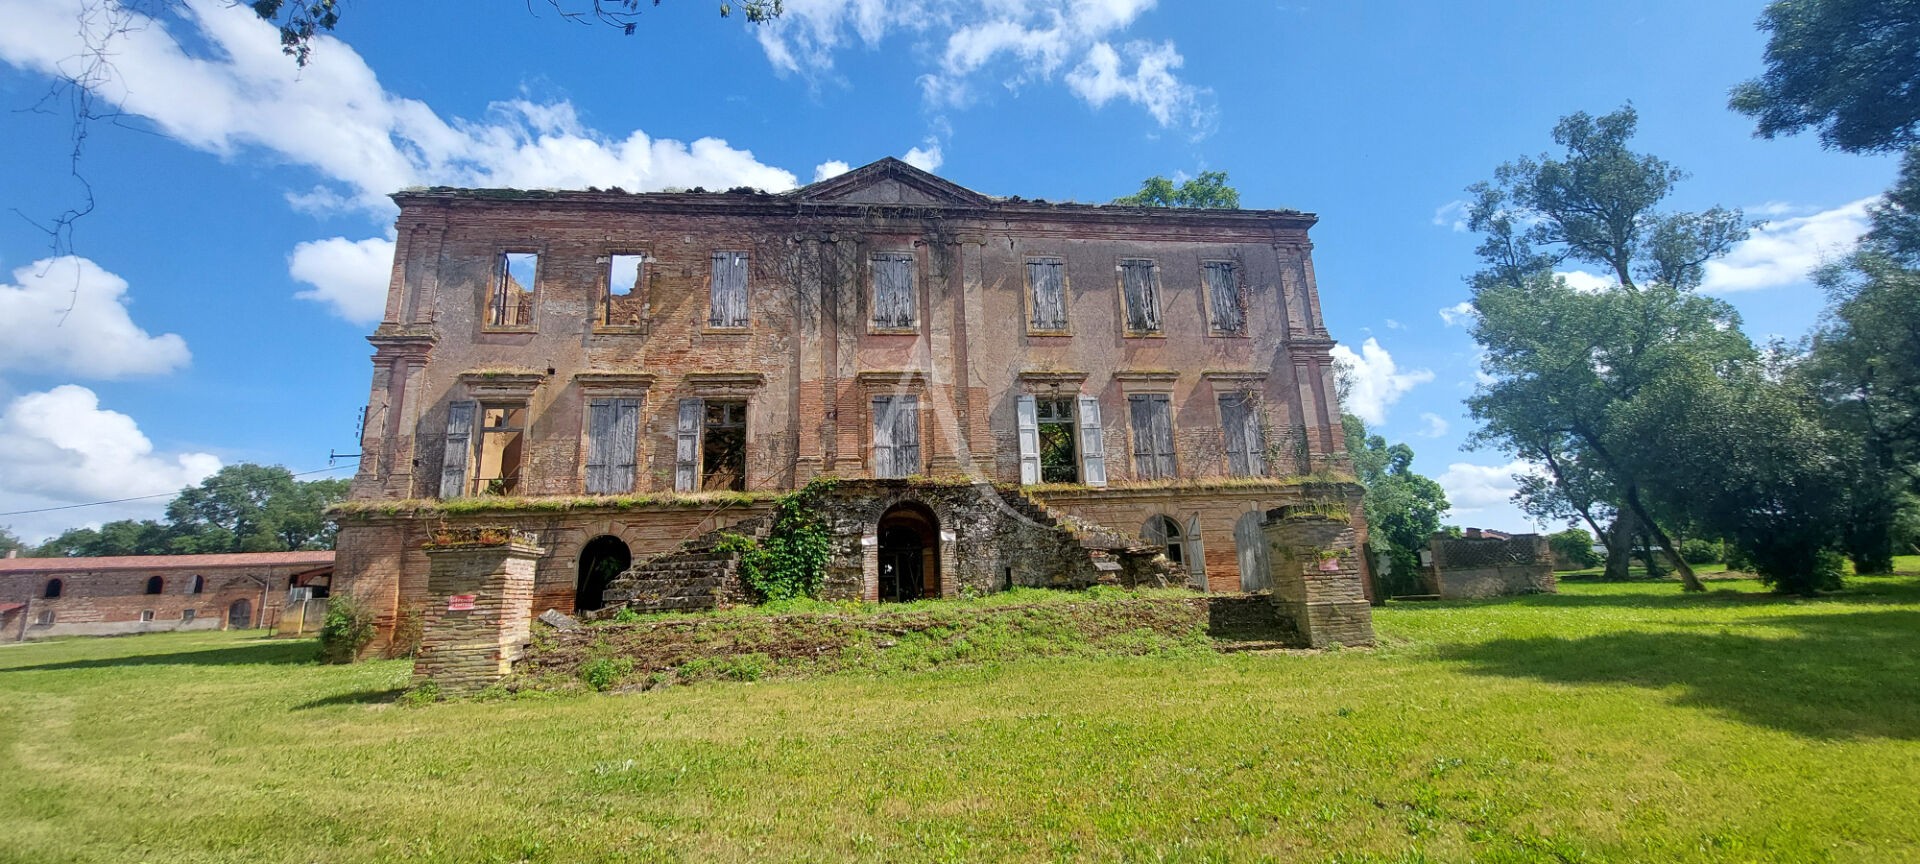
[832,380]
[114,596]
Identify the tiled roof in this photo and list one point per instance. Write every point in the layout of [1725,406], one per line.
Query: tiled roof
[320,558]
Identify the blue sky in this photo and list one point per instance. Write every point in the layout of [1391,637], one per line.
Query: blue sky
[220,292]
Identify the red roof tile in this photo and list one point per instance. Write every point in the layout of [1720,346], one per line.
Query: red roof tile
[319,558]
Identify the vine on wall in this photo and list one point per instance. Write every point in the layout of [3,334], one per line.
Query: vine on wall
[792,559]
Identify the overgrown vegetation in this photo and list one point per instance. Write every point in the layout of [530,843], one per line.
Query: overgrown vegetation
[240,508]
[792,559]
[346,631]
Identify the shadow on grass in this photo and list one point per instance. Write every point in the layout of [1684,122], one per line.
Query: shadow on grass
[1840,675]
[1880,591]
[251,653]
[355,697]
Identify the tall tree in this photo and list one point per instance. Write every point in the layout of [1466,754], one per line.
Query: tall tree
[1845,67]
[240,508]
[1209,191]
[1562,361]
[1403,508]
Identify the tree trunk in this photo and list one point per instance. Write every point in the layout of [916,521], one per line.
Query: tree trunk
[1688,581]
[1619,541]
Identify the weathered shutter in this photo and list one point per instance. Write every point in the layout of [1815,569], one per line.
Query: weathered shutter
[1027,424]
[1256,438]
[600,420]
[1093,447]
[1049,295]
[613,425]
[1143,301]
[1233,424]
[1196,554]
[1251,542]
[883,432]
[1140,415]
[1223,292]
[893,290]
[623,465]
[686,446]
[453,461]
[1162,437]
[906,436]
[729,289]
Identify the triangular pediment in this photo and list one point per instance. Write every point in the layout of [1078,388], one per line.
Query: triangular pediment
[890,181]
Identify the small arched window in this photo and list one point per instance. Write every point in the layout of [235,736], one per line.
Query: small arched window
[199,584]
[53,588]
[155,585]
[1164,532]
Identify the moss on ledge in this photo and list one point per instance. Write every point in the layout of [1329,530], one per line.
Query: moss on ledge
[484,504]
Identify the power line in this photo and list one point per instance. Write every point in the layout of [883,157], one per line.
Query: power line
[154,495]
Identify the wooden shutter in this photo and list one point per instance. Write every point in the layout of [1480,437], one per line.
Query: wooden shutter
[893,290]
[686,446]
[1140,416]
[1256,439]
[1093,447]
[1143,297]
[1049,295]
[1223,292]
[1027,423]
[600,420]
[453,460]
[906,436]
[729,290]
[1233,424]
[1163,436]
[613,427]
[883,433]
[1196,554]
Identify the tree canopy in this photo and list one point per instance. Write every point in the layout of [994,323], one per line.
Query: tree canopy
[1403,508]
[1845,67]
[240,508]
[1209,191]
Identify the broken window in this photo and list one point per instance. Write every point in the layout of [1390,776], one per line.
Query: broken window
[893,290]
[502,441]
[1058,461]
[613,431]
[896,436]
[622,307]
[187,616]
[46,618]
[1046,277]
[1223,295]
[156,585]
[1152,436]
[1140,281]
[1061,440]
[1246,443]
[512,302]
[54,587]
[718,431]
[729,290]
[146,614]
[1162,531]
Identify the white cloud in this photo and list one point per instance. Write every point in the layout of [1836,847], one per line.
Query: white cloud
[349,276]
[1436,425]
[1452,215]
[68,316]
[1375,381]
[1584,282]
[926,158]
[1017,42]
[1785,252]
[1474,488]
[60,447]
[830,169]
[1458,313]
[1395,325]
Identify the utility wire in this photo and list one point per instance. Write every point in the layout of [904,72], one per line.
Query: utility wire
[157,494]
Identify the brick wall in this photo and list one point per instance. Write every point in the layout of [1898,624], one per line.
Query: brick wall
[108,596]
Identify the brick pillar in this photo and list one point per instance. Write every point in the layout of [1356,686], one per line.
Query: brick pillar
[479,613]
[1316,576]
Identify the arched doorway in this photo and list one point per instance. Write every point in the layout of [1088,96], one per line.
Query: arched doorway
[240,615]
[909,553]
[602,560]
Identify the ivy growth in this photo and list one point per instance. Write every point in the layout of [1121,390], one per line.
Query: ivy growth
[790,562]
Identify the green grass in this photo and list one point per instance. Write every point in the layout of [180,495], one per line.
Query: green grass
[1612,722]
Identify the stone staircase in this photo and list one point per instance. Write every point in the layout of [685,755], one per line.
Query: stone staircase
[695,577]
[1118,558]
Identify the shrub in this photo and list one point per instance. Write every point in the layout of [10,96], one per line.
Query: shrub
[1695,551]
[791,561]
[604,672]
[348,627]
[407,632]
[1574,546]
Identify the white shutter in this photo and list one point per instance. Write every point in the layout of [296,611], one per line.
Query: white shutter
[453,461]
[1196,554]
[1093,447]
[1027,420]
[686,446]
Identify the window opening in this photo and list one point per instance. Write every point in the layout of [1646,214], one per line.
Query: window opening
[1152,436]
[156,585]
[1141,283]
[729,290]
[46,617]
[625,275]
[1246,444]
[896,436]
[54,587]
[1223,294]
[187,615]
[1164,532]
[512,301]
[146,615]
[1048,280]
[613,429]
[723,450]
[199,584]
[1059,461]
[893,290]
[502,438]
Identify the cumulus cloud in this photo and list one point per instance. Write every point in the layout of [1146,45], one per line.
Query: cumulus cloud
[1475,488]
[1435,427]
[830,169]
[926,158]
[349,276]
[1452,215]
[1458,313]
[1785,252]
[1374,380]
[69,316]
[1016,42]
[1584,282]
[60,447]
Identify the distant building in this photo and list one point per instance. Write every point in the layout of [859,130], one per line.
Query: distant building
[46,597]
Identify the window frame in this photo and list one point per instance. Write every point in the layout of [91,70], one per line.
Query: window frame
[912,262]
[1032,297]
[496,289]
[911,409]
[1239,295]
[745,322]
[1155,288]
[478,444]
[1171,469]
[603,321]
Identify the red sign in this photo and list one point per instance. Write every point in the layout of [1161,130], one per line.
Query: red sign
[460,603]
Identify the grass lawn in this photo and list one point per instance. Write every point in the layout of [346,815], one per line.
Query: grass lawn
[1613,722]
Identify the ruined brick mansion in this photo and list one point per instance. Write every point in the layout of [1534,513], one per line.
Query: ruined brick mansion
[620,374]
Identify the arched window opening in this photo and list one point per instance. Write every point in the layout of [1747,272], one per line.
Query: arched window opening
[1162,531]
[155,585]
[54,586]
[602,560]
[199,584]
